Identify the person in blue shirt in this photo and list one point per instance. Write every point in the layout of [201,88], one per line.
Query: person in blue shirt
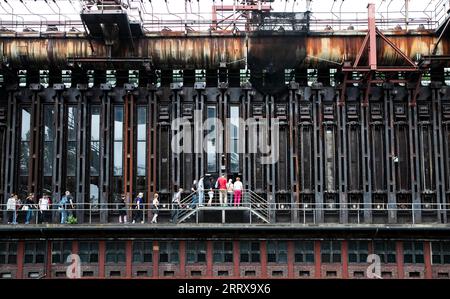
[63,205]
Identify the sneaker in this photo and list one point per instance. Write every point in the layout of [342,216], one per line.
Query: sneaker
[142,222]
[134,222]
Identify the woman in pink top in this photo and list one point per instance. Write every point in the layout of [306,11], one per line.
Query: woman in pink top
[237,186]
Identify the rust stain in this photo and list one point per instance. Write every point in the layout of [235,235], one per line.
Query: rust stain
[273,51]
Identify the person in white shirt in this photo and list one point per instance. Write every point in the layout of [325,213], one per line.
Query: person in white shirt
[230,189]
[237,187]
[11,208]
[201,192]
[44,205]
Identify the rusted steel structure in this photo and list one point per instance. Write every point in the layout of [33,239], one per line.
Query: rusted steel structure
[364,142]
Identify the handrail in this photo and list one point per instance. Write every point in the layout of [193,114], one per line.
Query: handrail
[203,20]
[263,207]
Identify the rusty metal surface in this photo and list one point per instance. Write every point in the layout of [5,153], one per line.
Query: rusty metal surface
[264,52]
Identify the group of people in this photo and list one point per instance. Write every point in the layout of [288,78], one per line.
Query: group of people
[15,207]
[230,193]
[137,214]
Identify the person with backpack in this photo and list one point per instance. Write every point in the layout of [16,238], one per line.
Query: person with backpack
[63,205]
[28,207]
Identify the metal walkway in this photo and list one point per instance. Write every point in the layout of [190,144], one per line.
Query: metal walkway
[252,204]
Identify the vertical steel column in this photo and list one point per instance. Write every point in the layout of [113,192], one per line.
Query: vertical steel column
[341,141]
[35,148]
[439,155]
[198,134]
[175,157]
[128,172]
[272,183]
[248,175]
[10,168]
[390,150]
[82,169]
[2,161]
[151,144]
[318,147]
[372,37]
[293,150]
[105,155]
[222,116]
[366,162]
[414,161]
[58,175]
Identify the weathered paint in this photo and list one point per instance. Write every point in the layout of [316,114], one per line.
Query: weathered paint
[264,51]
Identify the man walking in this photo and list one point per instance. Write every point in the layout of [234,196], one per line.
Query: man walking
[63,205]
[201,192]
[176,205]
[11,207]
[195,195]
[222,185]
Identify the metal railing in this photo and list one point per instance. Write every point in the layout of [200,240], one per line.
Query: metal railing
[202,21]
[249,200]
[307,213]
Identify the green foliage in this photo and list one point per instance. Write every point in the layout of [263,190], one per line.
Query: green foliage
[72,220]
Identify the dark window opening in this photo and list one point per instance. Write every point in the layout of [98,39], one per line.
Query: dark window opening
[88,252]
[330,251]
[115,252]
[34,252]
[223,252]
[358,251]
[8,253]
[249,252]
[440,252]
[195,252]
[386,251]
[142,252]
[60,251]
[413,252]
[168,252]
[304,251]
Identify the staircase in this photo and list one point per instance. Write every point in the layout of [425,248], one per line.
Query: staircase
[250,202]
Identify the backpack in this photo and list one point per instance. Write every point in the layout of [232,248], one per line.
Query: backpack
[63,202]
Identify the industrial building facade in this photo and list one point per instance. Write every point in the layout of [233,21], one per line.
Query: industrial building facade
[362,143]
